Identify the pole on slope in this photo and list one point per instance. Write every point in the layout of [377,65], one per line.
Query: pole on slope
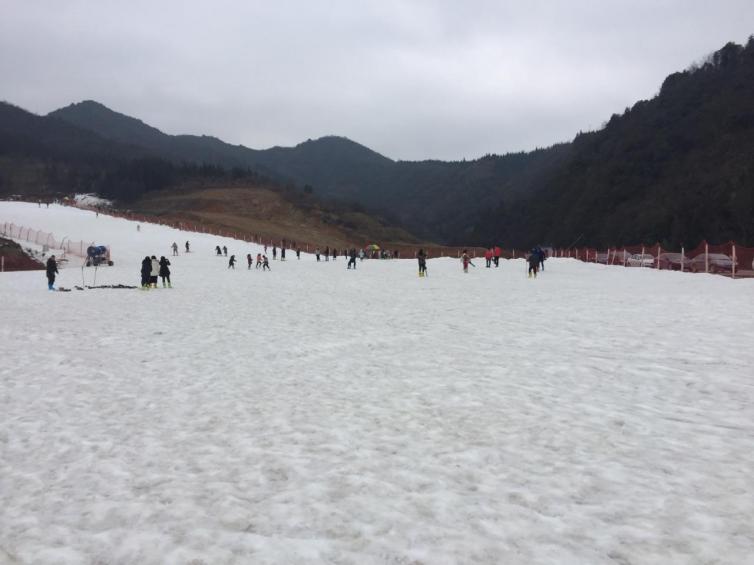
[706,257]
[733,266]
[683,258]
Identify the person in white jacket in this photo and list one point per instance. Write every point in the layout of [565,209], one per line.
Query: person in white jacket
[155,272]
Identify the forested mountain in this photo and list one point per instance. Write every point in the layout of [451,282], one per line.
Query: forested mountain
[44,157]
[435,199]
[675,169]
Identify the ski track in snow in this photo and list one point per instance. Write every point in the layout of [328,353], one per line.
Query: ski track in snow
[316,415]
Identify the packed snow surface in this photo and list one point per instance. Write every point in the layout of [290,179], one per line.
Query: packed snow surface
[317,415]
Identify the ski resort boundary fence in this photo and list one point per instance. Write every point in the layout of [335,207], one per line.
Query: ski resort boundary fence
[730,259]
[47,240]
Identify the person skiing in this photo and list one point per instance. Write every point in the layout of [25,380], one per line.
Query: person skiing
[52,270]
[259,261]
[274,253]
[327,253]
[316,252]
[232,262]
[174,247]
[138,227]
[146,271]
[265,263]
[187,247]
[352,258]
[466,261]
[165,272]
[298,253]
[218,250]
[282,253]
[249,260]
[533,261]
[497,252]
[225,251]
[154,272]
[421,257]
[488,253]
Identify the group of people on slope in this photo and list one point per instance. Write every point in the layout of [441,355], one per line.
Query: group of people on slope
[536,261]
[262,261]
[492,255]
[174,247]
[151,268]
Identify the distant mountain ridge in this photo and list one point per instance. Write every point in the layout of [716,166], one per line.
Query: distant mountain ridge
[433,199]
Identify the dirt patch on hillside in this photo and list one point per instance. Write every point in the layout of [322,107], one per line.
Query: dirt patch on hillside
[271,214]
[14,258]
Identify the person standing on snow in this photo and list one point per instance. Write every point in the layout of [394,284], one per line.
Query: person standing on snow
[165,272]
[218,251]
[298,253]
[274,253]
[175,249]
[488,257]
[316,252]
[52,270]
[249,260]
[225,251]
[498,252]
[146,271]
[466,261]
[187,247]
[352,258]
[334,254]
[155,271]
[421,257]
[259,261]
[265,263]
[282,253]
[533,261]
[542,256]
[232,262]
[327,253]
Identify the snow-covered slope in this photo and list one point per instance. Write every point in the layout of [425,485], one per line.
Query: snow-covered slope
[317,415]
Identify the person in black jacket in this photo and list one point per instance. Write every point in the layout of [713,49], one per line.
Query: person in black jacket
[421,257]
[165,272]
[352,258]
[533,261]
[232,262]
[52,270]
[146,271]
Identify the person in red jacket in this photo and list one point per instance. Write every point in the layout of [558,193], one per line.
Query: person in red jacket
[466,261]
[498,253]
[488,257]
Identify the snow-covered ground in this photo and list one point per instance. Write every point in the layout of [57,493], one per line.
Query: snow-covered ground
[317,415]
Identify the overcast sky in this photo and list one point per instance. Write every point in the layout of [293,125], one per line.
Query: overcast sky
[412,80]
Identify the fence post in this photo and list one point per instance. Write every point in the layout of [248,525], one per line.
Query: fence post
[683,258]
[733,266]
[706,257]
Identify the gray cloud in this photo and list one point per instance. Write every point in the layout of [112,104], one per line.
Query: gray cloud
[411,79]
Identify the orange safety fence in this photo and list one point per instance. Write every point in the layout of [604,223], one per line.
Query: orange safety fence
[728,259]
